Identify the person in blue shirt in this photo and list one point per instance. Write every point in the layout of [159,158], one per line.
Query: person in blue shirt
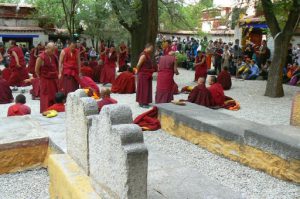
[254,71]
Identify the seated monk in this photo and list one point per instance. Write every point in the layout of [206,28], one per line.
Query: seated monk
[6,96]
[216,91]
[224,78]
[200,94]
[106,99]
[60,100]
[88,83]
[6,73]
[35,91]
[125,83]
[19,108]
[96,68]
[86,70]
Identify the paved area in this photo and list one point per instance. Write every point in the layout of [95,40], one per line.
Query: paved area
[179,166]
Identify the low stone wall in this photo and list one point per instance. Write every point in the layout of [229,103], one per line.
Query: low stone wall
[23,144]
[271,149]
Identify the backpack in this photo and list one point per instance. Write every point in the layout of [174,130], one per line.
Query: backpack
[268,53]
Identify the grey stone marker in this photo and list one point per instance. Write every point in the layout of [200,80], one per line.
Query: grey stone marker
[79,111]
[117,154]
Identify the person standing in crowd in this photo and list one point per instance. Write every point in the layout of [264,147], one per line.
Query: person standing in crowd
[122,57]
[200,66]
[108,74]
[69,68]
[218,57]
[144,82]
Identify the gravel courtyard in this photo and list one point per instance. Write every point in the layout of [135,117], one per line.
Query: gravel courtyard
[250,183]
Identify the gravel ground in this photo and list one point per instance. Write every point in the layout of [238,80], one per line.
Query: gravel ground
[251,183]
[25,185]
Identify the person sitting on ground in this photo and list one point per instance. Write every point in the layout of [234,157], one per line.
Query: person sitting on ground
[6,72]
[88,83]
[6,96]
[224,78]
[200,94]
[265,70]
[86,70]
[60,100]
[106,99]
[216,91]
[124,83]
[19,108]
[241,66]
[253,72]
[295,79]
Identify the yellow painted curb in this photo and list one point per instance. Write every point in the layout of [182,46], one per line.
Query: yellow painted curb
[68,180]
[247,155]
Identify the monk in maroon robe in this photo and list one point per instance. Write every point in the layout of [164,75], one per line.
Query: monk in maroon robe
[69,68]
[125,83]
[6,73]
[106,99]
[34,53]
[122,57]
[200,66]
[19,108]
[217,92]
[108,73]
[88,83]
[102,51]
[96,69]
[224,78]
[47,70]
[166,85]
[17,65]
[35,91]
[200,94]
[145,71]
[6,96]
[86,70]
[60,100]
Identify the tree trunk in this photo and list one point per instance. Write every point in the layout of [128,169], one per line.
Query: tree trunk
[138,41]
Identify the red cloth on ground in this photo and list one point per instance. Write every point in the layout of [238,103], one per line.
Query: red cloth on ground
[200,95]
[87,82]
[165,80]
[125,83]
[70,79]
[148,120]
[144,83]
[6,96]
[32,61]
[18,110]
[35,91]
[200,69]
[6,74]
[57,107]
[224,78]
[108,74]
[87,71]
[217,94]
[18,74]
[106,101]
[97,69]
[48,81]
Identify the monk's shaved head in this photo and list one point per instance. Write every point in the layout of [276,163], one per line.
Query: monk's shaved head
[105,92]
[50,48]
[201,80]
[212,80]
[50,45]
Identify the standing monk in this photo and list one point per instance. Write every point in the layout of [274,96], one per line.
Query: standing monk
[47,70]
[167,67]
[102,50]
[122,57]
[108,73]
[69,67]
[144,84]
[17,65]
[200,66]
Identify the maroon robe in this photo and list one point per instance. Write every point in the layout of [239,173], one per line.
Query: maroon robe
[200,95]
[48,81]
[224,78]
[35,91]
[106,101]
[18,110]
[87,82]
[57,107]
[200,69]
[122,59]
[86,71]
[6,73]
[6,96]
[165,80]
[18,74]
[108,74]
[148,120]
[217,93]
[70,81]
[32,61]
[125,83]
[144,84]
[96,70]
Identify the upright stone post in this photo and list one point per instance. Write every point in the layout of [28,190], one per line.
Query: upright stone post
[79,112]
[117,154]
[295,114]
